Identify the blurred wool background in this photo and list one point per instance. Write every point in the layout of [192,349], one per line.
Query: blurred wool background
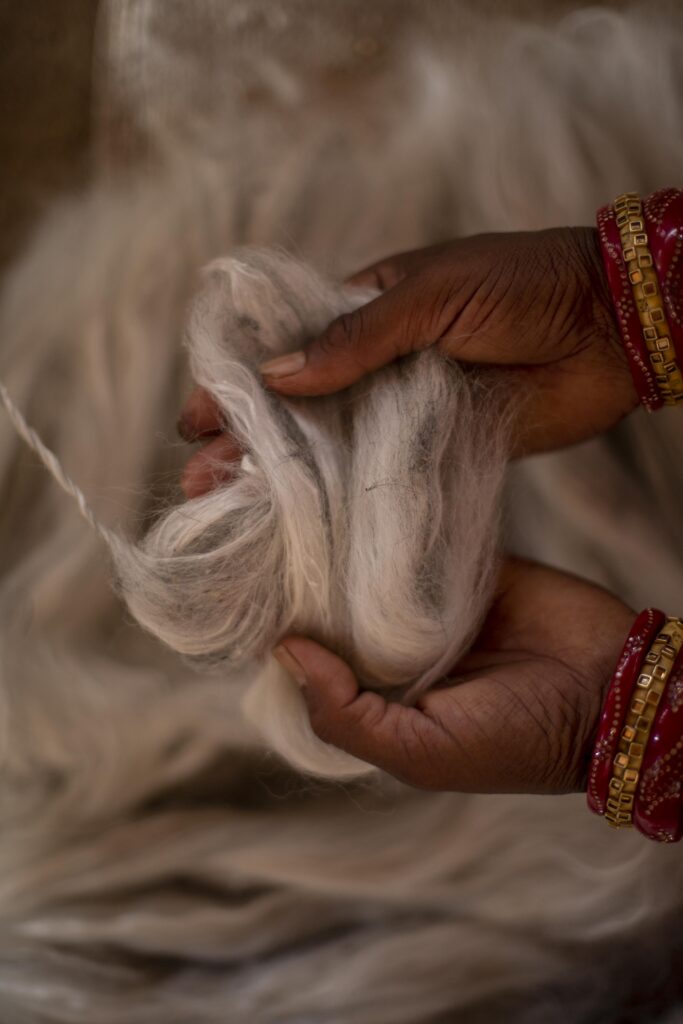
[157,865]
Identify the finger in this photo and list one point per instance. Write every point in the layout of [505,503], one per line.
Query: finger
[201,416]
[383,275]
[395,738]
[214,465]
[391,270]
[357,343]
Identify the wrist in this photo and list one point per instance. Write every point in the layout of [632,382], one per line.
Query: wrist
[605,324]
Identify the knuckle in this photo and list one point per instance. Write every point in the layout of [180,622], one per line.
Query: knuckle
[369,711]
[388,273]
[416,758]
[337,725]
[347,341]
[323,718]
[444,310]
[343,333]
[323,724]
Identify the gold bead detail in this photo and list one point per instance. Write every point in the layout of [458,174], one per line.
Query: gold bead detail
[643,277]
[650,684]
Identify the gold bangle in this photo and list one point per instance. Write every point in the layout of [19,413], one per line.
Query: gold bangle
[646,293]
[635,734]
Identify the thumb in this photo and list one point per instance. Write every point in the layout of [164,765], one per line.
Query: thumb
[361,722]
[354,345]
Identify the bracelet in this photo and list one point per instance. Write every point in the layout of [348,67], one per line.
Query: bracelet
[640,639]
[663,215]
[647,288]
[647,294]
[626,312]
[627,765]
[636,771]
[658,811]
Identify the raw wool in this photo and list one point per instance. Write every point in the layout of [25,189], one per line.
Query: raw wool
[366,519]
[155,866]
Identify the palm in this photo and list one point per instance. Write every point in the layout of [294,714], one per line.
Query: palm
[517,714]
[528,695]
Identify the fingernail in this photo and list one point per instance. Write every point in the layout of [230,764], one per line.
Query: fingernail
[284,366]
[290,665]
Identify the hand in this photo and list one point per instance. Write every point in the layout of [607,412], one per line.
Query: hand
[518,714]
[537,303]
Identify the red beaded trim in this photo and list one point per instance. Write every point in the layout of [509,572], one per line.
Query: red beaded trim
[626,312]
[658,810]
[663,215]
[640,639]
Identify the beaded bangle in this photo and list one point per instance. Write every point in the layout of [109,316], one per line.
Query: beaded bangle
[658,811]
[636,771]
[663,215]
[640,639]
[626,312]
[647,288]
[646,695]
[648,298]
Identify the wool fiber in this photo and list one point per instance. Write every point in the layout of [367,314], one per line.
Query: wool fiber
[367,519]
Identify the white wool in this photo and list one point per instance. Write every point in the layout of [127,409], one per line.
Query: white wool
[366,519]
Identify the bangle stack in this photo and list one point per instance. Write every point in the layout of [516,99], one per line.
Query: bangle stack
[636,771]
[642,249]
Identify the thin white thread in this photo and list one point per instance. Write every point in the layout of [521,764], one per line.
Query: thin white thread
[51,463]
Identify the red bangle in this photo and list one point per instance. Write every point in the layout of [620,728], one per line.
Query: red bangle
[626,312]
[658,810]
[640,639]
[663,216]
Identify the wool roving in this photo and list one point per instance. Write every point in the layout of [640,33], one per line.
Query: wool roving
[365,519]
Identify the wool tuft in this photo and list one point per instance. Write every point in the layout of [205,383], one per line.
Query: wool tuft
[367,519]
